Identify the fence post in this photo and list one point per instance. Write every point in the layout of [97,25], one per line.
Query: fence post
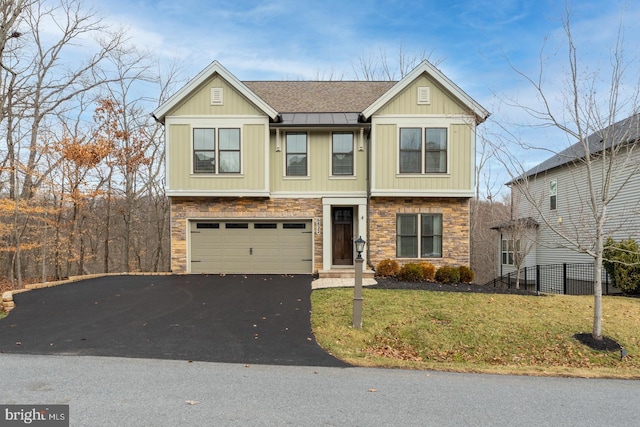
[564,278]
[537,277]
[525,277]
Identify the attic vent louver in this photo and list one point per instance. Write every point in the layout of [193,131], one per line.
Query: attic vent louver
[424,95]
[216,96]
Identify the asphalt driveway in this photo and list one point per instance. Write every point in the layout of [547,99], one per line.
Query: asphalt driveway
[233,318]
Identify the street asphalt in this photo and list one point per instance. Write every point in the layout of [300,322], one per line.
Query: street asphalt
[232,318]
[106,391]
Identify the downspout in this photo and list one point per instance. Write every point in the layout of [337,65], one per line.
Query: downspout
[368,179]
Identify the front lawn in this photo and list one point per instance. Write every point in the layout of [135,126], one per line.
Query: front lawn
[469,332]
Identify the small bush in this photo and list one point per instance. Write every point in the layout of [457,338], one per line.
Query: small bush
[622,262]
[466,275]
[388,267]
[411,272]
[428,270]
[448,274]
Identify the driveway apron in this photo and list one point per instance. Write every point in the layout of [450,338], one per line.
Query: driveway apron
[260,319]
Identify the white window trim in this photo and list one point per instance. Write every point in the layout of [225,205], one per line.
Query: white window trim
[217,174]
[353,153]
[284,157]
[423,159]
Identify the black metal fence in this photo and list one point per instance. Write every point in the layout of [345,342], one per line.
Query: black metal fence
[568,279]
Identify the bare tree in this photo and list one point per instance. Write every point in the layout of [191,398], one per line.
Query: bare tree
[601,163]
[380,66]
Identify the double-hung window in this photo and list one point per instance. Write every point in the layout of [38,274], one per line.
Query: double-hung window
[423,150]
[216,151]
[342,154]
[419,235]
[509,249]
[296,154]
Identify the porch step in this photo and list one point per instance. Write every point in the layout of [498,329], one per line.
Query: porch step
[347,273]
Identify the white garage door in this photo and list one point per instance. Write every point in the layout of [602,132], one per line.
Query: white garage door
[258,247]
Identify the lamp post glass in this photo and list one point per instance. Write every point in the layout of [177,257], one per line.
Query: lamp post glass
[360,246]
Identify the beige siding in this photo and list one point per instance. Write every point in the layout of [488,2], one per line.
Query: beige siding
[319,167]
[199,102]
[179,153]
[460,159]
[406,102]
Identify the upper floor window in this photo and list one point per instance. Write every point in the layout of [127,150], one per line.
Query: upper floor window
[418,155]
[296,154]
[419,235]
[209,157]
[342,154]
[553,194]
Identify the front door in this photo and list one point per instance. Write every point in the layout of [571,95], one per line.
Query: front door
[342,233]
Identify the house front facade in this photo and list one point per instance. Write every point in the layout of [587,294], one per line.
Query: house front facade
[280,177]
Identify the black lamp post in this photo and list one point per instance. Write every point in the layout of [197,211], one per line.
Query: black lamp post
[357,289]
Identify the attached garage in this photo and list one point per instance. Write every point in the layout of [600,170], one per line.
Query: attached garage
[251,247]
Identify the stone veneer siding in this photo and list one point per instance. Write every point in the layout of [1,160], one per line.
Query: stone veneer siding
[185,208]
[455,228]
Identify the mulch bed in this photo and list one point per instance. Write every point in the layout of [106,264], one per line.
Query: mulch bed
[391,283]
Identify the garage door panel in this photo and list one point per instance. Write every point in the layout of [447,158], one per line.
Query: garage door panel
[267,247]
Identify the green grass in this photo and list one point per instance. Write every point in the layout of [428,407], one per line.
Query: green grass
[469,332]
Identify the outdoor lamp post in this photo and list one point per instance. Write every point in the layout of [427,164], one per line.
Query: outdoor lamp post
[357,289]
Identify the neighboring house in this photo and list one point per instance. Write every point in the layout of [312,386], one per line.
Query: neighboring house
[282,176]
[559,188]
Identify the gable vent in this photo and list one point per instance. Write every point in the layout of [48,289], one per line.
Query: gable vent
[216,96]
[424,95]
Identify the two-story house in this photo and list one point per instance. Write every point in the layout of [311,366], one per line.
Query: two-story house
[281,176]
[555,202]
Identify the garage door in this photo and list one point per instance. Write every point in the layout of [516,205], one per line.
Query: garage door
[258,247]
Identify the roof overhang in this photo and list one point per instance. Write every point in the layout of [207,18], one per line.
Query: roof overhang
[426,67]
[214,68]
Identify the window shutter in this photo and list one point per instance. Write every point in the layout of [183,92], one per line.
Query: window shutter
[216,96]
[424,95]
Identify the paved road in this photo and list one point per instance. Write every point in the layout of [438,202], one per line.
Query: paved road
[105,391]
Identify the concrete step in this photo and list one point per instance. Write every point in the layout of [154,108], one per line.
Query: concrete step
[346,273]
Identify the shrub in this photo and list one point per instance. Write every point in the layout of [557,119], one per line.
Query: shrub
[388,267]
[622,262]
[448,274]
[466,275]
[411,272]
[428,270]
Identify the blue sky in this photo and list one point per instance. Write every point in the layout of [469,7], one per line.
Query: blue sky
[299,39]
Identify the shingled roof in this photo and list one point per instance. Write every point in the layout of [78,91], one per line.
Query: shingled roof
[319,96]
[622,132]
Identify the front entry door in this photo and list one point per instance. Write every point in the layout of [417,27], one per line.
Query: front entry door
[342,218]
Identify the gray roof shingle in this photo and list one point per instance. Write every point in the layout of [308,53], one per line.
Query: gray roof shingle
[319,96]
[624,131]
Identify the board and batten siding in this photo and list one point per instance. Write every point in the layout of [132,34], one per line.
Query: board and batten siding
[577,221]
[180,168]
[319,179]
[460,159]
[406,102]
[199,102]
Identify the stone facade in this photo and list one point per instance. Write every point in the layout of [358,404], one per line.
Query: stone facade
[455,227]
[183,209]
